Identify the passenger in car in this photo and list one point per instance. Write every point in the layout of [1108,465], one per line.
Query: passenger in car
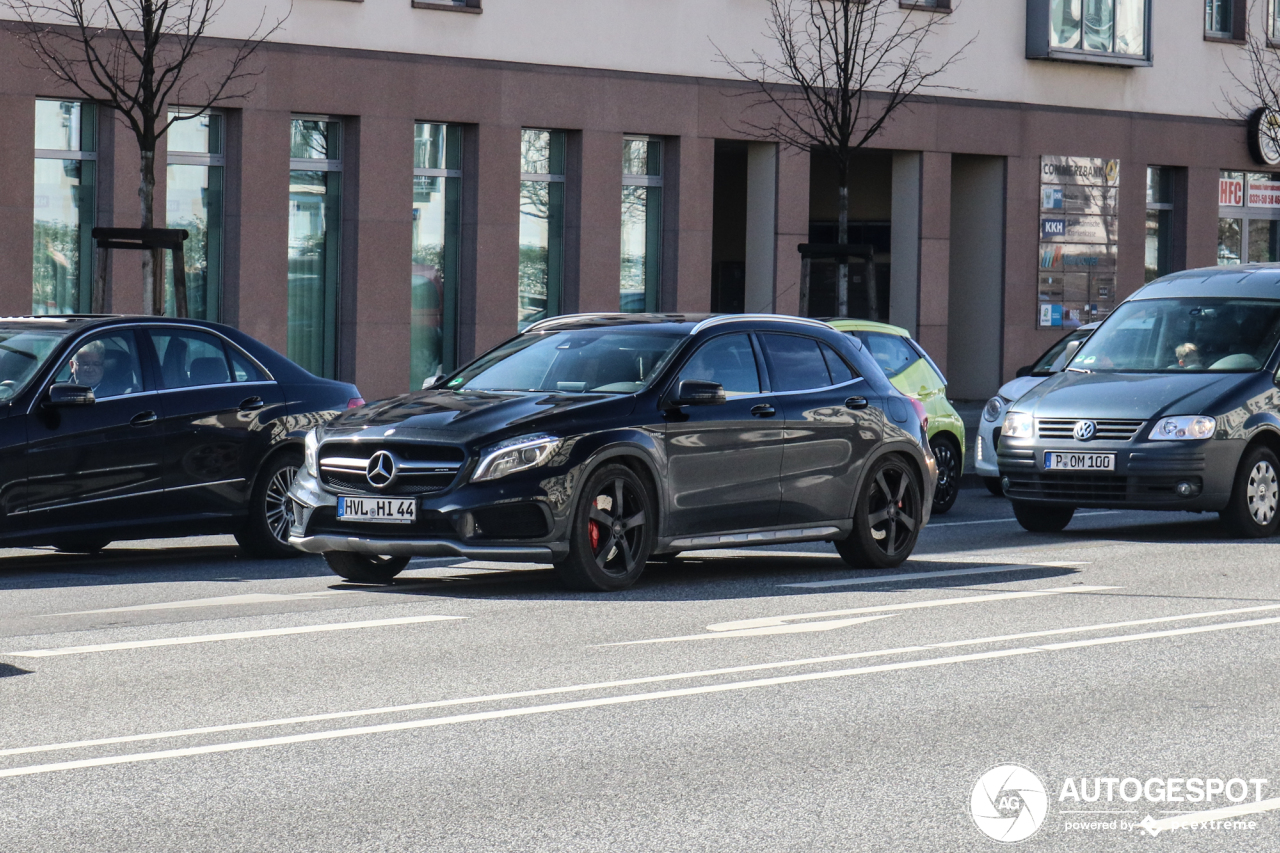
[1188,355]
[91,366]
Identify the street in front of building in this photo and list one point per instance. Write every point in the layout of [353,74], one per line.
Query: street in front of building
[1114,680]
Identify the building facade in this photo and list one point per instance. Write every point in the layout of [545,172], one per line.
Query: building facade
[410,182]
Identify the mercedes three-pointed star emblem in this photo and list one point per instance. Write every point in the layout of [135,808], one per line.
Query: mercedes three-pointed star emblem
[381,469]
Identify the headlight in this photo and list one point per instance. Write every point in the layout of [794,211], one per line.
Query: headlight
[517,454]
[1184,428]
[1017,425]
[311,453]
[993,408]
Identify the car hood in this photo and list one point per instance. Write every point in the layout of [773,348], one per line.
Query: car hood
[1015,388]
[1128,395]
[464,416]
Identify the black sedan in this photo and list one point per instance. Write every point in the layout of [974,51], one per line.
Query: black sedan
[116,428]
[596,442]
[1172,404]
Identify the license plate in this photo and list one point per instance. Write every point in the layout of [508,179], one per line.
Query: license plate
[385,510]
[1079,461]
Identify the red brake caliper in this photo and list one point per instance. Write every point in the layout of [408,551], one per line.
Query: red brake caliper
[593,531]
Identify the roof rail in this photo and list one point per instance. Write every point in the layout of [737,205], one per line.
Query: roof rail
[730,318]
[561,318]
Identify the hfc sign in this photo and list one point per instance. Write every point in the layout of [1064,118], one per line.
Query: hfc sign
[1231,191]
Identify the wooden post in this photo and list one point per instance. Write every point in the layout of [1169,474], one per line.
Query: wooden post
[179,282]
[98,298]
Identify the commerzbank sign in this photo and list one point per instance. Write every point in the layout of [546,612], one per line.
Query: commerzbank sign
[1083,171]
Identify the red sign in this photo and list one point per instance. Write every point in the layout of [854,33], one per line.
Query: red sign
[1231,192]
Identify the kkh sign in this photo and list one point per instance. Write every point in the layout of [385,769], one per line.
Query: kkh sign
[1079,230]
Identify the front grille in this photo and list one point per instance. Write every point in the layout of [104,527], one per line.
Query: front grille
[421,468]
[1105,489]
[1108,430]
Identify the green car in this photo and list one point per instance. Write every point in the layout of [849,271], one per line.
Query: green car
[912,372]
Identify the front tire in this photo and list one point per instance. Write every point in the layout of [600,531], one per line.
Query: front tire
[365,568]
[1252,510]
[886,517]
[1039,518]
[612,532]
[266,533]
[947,455]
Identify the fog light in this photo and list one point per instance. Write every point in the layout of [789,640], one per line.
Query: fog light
[1004,483]
[1185,489]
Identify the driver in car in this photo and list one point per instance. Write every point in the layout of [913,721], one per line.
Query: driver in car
[89,368]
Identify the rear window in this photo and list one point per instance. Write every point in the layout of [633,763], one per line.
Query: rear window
[891,352]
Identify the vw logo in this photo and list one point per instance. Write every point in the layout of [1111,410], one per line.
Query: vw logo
[1084,430]
[381,469]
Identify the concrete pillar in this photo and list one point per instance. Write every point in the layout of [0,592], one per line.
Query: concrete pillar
[976,290]
[1198,209]
[689,186]
[17,202]
[904,273]
[491,228]
[792,229]
[762,222]
[935,254]
[118,206]
[593,230]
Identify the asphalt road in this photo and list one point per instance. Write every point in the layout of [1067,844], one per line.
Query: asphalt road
[171,696]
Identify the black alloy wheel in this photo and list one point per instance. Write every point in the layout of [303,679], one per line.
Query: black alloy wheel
[886,518]
[365,568]
[1042,518]
[1252,512]
[612,532]
[266,532]
[993,486]
[947,455]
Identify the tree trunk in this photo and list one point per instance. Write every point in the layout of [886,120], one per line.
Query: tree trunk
[842,237]
[152,261]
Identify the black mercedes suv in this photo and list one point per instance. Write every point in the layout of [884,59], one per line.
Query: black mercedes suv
[1172,404]
[598,442]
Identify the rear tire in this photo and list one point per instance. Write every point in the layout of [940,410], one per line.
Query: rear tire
[1252,511]
[886,517]
[365,568]
[612,532]
[993,486]
[80,546]
[1039,518]
[947,454]
[266,533]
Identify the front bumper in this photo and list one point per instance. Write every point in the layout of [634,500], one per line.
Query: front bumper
[1146,476]
[986,447]
[375,546]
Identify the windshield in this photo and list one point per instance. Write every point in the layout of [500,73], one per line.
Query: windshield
[1046,365]
[609,361]
[1183,335]
[22,353]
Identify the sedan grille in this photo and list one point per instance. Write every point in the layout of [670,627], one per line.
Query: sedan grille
[1108,430]
[407,469]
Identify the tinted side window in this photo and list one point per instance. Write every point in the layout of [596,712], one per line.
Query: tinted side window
[242,368]
[795,363]
[189,358]
[108,364]
[840,371]
[891,352]
[728,360]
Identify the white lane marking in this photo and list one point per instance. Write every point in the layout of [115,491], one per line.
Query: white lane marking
[220,601]
[626,699]
[1155,827]
[946,573]
[775,624]
[238,635]
[628,682]
[931,525]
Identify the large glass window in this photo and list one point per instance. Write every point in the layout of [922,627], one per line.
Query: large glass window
[437,193]
[541,224]
[1217,17]
[641,224]
[193,193]
[1159,222]
[62,270]
[1249,218]
[315,173]
[1273,20]
[1099,26]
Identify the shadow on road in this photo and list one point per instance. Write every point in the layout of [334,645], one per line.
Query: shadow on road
[7,670]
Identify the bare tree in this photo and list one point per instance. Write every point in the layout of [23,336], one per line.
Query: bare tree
[842,69]
[1258,99]
[138,57]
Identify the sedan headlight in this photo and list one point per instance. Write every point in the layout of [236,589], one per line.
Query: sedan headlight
[517,454]
[1184,428]
[311,453]
[1017,425]
[991,412]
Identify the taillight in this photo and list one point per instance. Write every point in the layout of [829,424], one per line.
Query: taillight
[920,412]
[355,402]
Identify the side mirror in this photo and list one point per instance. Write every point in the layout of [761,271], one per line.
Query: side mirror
[432,381]
[1025,370]
[699,392]
[1060,363]
[67,394]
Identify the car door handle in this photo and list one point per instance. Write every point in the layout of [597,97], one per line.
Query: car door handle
[252,404]
[144,419]
[856,403]
[764,410]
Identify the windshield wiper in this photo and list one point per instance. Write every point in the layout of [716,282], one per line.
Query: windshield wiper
[1078,370]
